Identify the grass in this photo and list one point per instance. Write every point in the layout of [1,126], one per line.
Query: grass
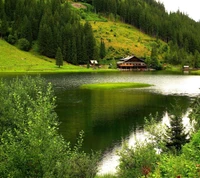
[122,39]
[114,85]
[14,60]
[196,72]
[173,68]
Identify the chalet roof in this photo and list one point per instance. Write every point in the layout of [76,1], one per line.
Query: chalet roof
[93,61]
[128,58]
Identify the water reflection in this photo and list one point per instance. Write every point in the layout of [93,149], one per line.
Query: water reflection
[106,116]
[109,116]
[110,161]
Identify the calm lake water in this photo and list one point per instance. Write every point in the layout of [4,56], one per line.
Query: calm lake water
[109,116]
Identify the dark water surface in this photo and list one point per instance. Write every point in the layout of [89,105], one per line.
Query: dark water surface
[108,116]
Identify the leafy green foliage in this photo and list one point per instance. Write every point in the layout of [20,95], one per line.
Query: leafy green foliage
[195,114]
[175,166]
[164,164]
[30,145]
[24,44]
[191,150]
[11,39]
[138,161]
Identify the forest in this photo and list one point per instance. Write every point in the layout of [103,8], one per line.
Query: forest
[177,29]
[49,25]
[52,24]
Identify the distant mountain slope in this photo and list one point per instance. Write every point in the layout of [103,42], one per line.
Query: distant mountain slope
[122,39]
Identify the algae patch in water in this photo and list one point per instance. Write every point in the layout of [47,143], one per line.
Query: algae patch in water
[114,85]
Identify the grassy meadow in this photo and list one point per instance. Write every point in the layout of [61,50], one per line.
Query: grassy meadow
[14,60]
[121,39]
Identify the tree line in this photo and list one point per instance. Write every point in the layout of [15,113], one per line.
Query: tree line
[151,17]
[49,25]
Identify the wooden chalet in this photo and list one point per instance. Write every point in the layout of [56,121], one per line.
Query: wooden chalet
[131,63]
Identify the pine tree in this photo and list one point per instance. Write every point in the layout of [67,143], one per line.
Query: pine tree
[3,26]
[102,49]
[74,51]
[176,135]
[90,42]
[45,41]
[26,29]
[10,7]
[154,56]
[59,57]
[1,9]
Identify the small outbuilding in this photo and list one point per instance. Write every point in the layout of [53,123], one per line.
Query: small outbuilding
[131,63]
[186,69]
[94,63]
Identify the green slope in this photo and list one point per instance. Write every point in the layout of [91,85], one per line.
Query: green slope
[120,40]
[14,60]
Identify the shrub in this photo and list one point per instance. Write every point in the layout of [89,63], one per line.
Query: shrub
[175,166]
[24,44]
[138,161]
[192,149]
[11,39]
[30,145]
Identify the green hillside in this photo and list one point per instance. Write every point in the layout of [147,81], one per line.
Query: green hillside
[121,39]
[14,60]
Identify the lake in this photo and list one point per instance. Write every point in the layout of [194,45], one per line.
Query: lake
[109,116]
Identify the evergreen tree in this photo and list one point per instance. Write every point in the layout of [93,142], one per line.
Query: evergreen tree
[3,26]
[154,56]
[1,9]
[176,135]
[196,61]
[59,57]
[102,49]
[45,41]
[84,57]
[26,29]
[73,51]
[90,43]
[10,7]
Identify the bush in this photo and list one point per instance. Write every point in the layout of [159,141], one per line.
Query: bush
[138,161]
[11,39]
[24,44]
[175,166]
[191,150]
[30,145]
